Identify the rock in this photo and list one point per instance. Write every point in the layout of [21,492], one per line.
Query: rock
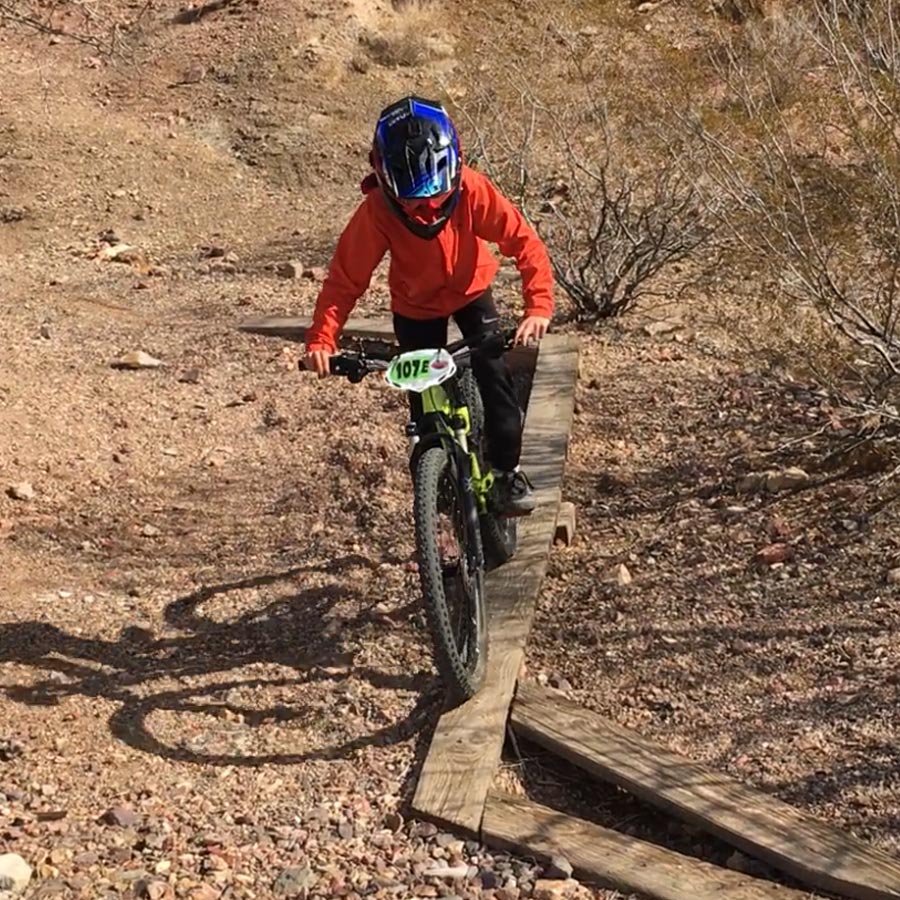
[393,821]
[11,214]
[193,74]
[123,253]
[189,376]
[423,830]
[150,531]
[449,873]
[774,553]
[15,873]
[785,480]
[120,817]
[21,490]
[316,273]
[559,868]
[560,683]
[733,513]
[45,331]
[152,890]
[622,575]
[291,269]
[445,840]
[293,881]
[752,483]
[204,892]
[136,359]
[553,889]
[893,576]
[664,326]
[346,831]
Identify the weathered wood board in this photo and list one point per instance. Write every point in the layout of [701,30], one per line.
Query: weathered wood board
[759,824]
[466,747]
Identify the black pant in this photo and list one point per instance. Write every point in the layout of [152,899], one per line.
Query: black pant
[502,414]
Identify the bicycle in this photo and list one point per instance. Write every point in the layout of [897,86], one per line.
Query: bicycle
[458,544]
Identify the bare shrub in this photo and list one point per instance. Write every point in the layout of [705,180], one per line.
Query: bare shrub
[612,225]
[808,182]
[110,34]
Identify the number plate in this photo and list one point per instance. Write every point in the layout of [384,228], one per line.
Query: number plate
[419,370]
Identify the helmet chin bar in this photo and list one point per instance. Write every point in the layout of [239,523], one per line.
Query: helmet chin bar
[420,229]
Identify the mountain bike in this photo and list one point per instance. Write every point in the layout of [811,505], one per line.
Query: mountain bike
[458,533]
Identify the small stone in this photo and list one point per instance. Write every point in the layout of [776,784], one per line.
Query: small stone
[623,575]
[786,480]
[451,873]
[773,554]
[893,576]
[752,483]
[345,830]
[559,868]
[45,331]
[150,531]
[204,892]
[120,816]
[153,890]
[560,683]
[136,359]
[189,376]
[291,269]
[393,821]
[552,889]
[15,873]
[293,881]
[21,490]
[424,830]
[489,880]
[316,273]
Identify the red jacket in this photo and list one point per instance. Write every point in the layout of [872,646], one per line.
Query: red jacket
[429,279]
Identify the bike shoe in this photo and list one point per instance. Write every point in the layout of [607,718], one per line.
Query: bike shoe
[514,494]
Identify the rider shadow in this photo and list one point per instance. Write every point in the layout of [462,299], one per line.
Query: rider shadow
[287,632]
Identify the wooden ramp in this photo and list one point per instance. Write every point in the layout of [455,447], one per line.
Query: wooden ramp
[455,784]
[757,823]
[616,861]
[466,747]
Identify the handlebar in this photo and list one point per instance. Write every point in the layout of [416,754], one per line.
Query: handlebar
[354,366]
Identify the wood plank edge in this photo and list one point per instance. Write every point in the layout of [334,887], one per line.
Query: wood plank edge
[816,876]
[592,875]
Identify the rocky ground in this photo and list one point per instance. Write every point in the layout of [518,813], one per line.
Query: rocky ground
[214,671]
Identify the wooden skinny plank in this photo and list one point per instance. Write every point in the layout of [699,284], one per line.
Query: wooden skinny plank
[757,823]
[468,741]
[293,328]
[613,860]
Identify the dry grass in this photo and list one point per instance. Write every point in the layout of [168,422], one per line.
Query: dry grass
[415,35]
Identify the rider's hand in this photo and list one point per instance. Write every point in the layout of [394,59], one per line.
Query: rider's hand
[317,361]
[531,328]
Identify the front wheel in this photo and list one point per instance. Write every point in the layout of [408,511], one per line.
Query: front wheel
[452,588]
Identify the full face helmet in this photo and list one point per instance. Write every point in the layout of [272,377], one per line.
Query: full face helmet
[418,163]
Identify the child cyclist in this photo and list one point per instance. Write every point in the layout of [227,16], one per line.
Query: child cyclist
[435,214]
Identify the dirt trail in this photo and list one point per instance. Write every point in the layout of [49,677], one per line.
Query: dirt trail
[210,628]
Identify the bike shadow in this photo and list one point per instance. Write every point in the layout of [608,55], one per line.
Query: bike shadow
[222,668]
